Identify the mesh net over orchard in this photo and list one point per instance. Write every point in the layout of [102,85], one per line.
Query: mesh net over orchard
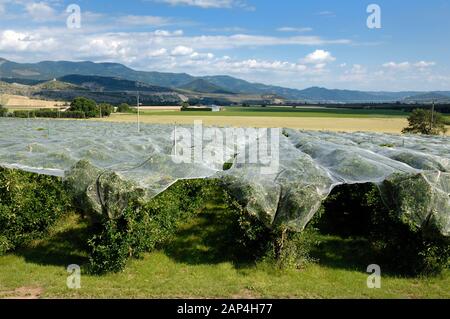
[110,161]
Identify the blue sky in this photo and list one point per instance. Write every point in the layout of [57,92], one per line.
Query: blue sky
[286,42]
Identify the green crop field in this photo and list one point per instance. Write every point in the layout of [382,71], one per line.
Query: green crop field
[289,112]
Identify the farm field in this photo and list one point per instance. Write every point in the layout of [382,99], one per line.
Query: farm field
[197,264]
[308,119]
[17,102]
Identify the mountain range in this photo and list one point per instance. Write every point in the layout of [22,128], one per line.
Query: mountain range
[118,77]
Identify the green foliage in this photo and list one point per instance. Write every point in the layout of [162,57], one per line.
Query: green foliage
[3,111]
[278,247]
[425,122]
[24,114]
[358,211]
[105,109]
[145,225]
[405,249]
[29,205]
[124,108]
[184,105]
[87,106]
[44,113]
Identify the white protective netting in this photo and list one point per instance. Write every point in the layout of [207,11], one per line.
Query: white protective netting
[413,172]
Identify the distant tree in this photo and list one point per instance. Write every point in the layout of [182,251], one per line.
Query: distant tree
[82,104]
[424,122]
[245,105]
[184,105]
[105,109]
[3,111]
[124,108]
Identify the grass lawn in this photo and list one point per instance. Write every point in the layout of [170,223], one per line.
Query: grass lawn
[200,262]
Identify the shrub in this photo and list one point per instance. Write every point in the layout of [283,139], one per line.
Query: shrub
[58,114]
[124,108]
[278,247]
[359,211]
[87,106]
[3,111]
[144,225]
[24,114]
[105,109]
[425,122]
[29,205]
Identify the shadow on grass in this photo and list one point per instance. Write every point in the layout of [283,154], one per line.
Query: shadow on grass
[208,238]
[63,248]
[348,253]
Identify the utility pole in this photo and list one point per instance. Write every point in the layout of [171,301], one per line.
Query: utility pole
[432,116]
[138,115]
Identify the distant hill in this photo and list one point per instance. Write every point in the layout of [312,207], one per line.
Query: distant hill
[203,86]
[441,97]
[117,77]
[102,83]
[48,70]
[57,86]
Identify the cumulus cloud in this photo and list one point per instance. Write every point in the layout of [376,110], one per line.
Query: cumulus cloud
[157,52]
[40,11]
[181,51]
[319,57]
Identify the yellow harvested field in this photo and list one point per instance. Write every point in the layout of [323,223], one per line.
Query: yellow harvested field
[18,102]
[386,125]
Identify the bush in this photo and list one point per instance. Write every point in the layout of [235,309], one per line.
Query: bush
[24,114]
[124,108]
[58,114]
[425,122]
[29,205]
[281,248]
[87,106]
[105,109]
[144,226]
[3,111]
[359,211]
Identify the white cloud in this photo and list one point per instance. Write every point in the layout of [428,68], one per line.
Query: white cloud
[12,41]
[181,51]
[424,64]
[293,29]
[319,57]
[397,66]
[134,20]
[157,53]
[403,66]
[165,33]
[206,4]
[40,11]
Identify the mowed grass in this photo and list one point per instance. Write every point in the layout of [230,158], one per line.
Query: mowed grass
[200,262]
